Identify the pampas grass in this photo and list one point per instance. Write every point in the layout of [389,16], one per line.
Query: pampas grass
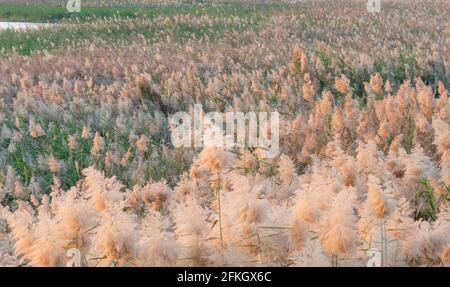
[87,160]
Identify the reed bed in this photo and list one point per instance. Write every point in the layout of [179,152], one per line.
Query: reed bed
[87,162]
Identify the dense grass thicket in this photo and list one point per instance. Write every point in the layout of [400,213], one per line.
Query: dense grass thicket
[87,162]
[121,24]
[41,13]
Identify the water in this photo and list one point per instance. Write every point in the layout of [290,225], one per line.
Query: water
[22,25]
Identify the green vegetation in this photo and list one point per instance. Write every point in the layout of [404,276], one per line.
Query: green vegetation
[428,209]
[118,24]
[48,39]
[42,13]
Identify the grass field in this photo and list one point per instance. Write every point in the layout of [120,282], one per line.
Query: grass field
[87,158]
[67,35]
[45,13]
